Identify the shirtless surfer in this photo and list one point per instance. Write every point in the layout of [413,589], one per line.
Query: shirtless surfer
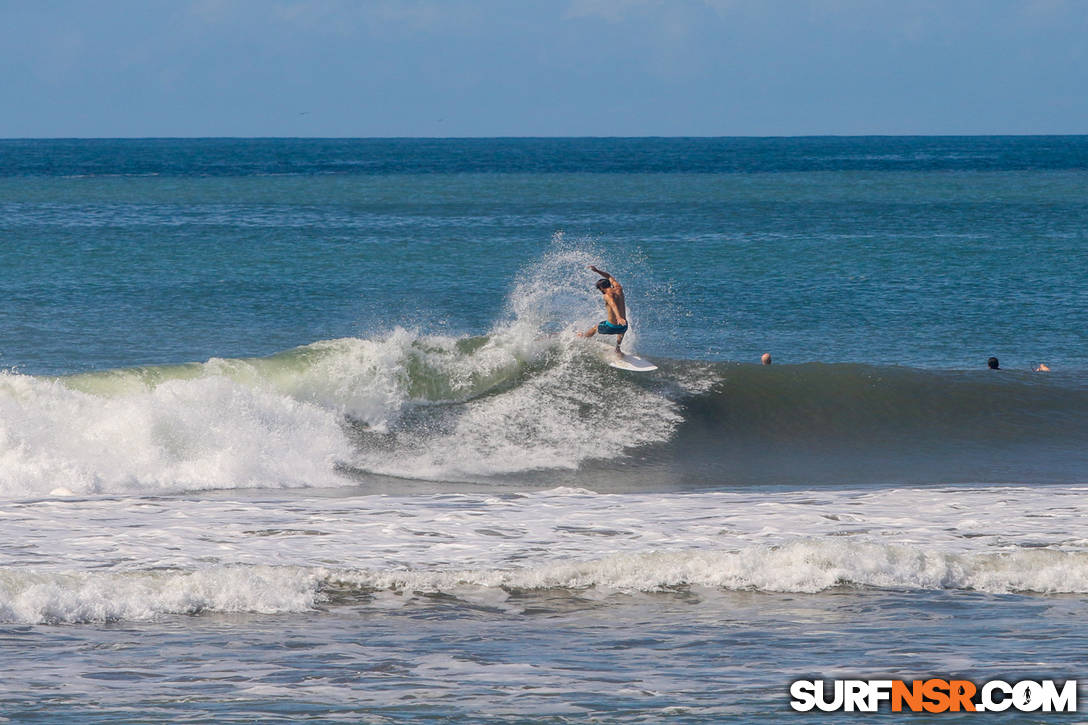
[615,307]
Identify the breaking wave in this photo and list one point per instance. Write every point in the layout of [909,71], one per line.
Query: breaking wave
[529,400]
[477,408]
[804,566]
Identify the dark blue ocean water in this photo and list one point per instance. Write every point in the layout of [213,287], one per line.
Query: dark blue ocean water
[299,428]
[928,252]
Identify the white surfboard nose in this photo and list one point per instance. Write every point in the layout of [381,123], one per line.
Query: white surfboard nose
[633,363]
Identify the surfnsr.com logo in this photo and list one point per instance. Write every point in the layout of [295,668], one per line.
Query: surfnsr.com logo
[933,695]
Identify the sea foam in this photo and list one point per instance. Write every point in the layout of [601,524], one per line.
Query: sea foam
[208,432]
[801,566]
[106,558]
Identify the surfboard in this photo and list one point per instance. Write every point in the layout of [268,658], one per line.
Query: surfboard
[634,363]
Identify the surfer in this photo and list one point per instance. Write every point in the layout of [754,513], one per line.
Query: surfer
[615,308]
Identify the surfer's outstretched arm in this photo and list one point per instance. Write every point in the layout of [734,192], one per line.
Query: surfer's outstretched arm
[606,275]
[603,274]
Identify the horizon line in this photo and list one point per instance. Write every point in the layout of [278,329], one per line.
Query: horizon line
[949,134]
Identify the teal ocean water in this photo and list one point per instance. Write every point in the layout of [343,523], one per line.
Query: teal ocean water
[300,428]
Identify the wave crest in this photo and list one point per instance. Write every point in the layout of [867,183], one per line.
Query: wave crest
[801,566]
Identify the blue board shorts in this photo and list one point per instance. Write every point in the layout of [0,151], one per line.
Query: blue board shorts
[607,328]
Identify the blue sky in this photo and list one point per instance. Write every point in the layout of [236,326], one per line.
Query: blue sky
[548,68]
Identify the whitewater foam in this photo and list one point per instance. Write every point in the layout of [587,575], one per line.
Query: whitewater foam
[101,558]
[804,565]
[80,596]
[556,418]
[181,434]
[801,566]
[562,410]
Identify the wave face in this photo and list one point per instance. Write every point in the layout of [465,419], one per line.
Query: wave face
[857,423]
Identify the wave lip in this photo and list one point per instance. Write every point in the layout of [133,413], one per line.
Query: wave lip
[801,566]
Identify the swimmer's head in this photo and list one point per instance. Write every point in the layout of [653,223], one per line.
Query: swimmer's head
[992,363]
[603,284]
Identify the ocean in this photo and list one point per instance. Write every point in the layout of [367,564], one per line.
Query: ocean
[301,429]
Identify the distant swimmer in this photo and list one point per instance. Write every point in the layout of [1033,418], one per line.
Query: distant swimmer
[993,364]
[1041,368]
[615,308]
[766,359]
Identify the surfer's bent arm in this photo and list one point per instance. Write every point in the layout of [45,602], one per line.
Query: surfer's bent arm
[610,278]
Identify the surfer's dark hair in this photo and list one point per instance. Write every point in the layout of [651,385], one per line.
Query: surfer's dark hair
[603,284]
[993,364]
